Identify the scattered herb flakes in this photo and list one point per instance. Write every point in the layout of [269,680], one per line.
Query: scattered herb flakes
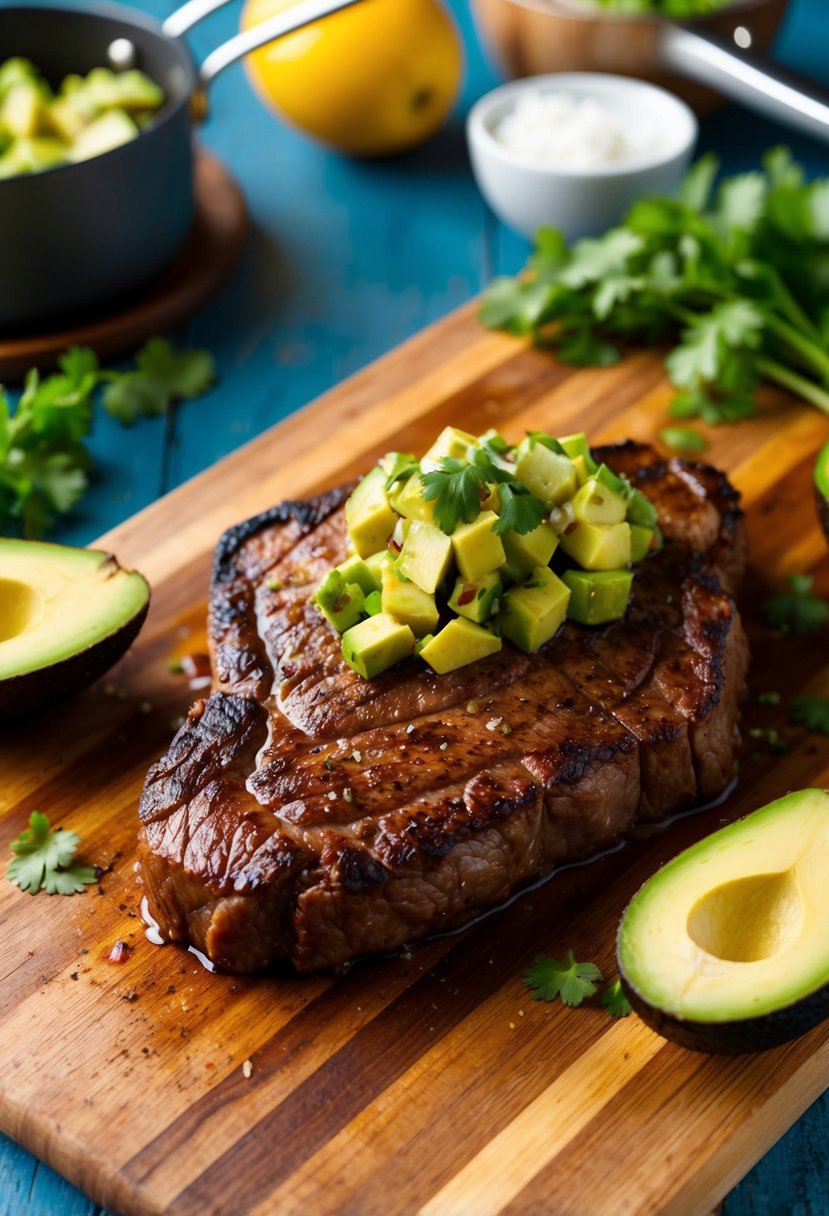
[615,1001]
[771,738]
[811,712]
[683,439]
[768,698]
[796,611]
[44,860]
[734,275]
[570,981]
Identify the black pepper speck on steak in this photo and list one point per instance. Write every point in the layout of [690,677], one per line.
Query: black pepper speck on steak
[305,815]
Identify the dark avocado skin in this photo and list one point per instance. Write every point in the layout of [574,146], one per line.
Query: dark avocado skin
[36,691]
[734,1038]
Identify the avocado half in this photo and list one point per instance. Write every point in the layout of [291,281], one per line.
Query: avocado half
[822,487]
[66,615]
[726,948]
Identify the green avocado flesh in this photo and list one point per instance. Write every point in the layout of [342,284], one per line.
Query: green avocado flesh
[479,541]
[57,603]
[86,117]
[736,930]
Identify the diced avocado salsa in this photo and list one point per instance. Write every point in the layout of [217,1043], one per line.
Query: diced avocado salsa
[88,115]
[483,540]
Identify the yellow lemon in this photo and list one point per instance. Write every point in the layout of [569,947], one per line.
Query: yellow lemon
[371,80]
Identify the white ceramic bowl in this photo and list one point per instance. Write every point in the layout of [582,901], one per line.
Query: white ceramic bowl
[583,201]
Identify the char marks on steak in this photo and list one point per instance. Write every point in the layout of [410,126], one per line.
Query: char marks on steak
[305,815]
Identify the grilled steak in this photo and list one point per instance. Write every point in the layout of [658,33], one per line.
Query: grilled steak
[305,815]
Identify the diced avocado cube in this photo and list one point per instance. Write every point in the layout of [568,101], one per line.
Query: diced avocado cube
[376,643]
[65,119]
[426,557]
[408,604]
[458,643]
[582,469]
[21,110]
[597,596]
[596,504]
[642,511]
[577,446]
[641,540]
[450,442]
[478,549]
[103,134]
[605,476]
[532,612]
[598,546]
[407,499]
[378,562]
[341,603]
[529,549]
[355,570]
[31,156]
[477,600]
[136,91]
[16,71]
[548,475]
[368,514]
[374,603]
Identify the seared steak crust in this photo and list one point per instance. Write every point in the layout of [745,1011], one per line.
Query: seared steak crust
[305,815]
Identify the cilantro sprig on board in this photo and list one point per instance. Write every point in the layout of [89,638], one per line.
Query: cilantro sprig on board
[736,276]
[44,860]
[44,462]
[797,610]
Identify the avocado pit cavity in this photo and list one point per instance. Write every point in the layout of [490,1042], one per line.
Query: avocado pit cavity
[748,919]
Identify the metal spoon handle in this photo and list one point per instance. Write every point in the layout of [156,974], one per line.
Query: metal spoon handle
[294,18]
[190,14]
[747,78]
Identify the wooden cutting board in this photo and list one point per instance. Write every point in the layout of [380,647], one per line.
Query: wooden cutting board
[430,1082]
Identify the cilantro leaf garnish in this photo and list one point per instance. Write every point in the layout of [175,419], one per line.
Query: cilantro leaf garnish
[44,464]
[399,466]
[520,510]
[615,1001]
[796,611]
[455,488]
[44,860]
[811,712]
[570,981]
[736,277]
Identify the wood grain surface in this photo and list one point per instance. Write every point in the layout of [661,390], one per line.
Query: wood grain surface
[428,1082]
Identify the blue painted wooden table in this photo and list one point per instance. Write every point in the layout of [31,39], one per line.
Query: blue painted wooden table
[344,260]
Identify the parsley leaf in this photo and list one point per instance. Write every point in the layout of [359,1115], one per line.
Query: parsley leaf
[520,510]
[399,466]
[44,464]
[44,860]
[737,277]
[570,981]
[615,1001]
[811,712]
[796,611]
[455,488]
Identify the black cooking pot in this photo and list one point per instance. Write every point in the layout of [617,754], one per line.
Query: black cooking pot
[78,235]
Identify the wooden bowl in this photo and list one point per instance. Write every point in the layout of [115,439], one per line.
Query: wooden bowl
[531,37]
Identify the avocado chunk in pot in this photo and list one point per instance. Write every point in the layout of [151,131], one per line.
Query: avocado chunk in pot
[66,616]
[726,948]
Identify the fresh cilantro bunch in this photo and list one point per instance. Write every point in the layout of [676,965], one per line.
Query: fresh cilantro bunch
[737,276]
[44,860]
[44,463]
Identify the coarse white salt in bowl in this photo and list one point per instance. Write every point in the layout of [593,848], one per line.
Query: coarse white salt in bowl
[575,149]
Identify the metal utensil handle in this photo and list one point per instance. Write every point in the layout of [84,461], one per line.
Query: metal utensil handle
[190,14]
[294,18]
[747,78]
